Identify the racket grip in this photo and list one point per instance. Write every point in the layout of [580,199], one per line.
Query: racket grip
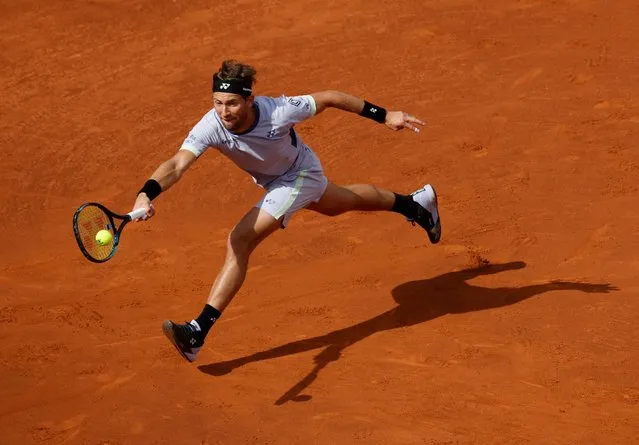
[137,213]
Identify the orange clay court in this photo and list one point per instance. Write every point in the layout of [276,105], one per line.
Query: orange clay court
[520,327]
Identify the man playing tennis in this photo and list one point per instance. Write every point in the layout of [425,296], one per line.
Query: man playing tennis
[257,134]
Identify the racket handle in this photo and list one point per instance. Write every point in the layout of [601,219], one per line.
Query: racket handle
[137,213]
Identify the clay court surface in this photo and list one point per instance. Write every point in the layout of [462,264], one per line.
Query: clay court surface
[518,328]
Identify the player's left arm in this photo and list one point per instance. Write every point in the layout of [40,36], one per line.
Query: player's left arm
[395,120]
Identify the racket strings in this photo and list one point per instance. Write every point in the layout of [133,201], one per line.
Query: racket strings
[90,221]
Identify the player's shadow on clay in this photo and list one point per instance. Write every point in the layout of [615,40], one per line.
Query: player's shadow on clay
[418,302]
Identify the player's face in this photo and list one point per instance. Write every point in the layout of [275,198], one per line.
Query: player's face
[233,109]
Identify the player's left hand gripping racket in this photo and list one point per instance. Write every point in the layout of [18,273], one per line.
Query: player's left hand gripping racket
[92,217]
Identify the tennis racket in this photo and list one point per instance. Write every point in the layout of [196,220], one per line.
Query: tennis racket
[92,217]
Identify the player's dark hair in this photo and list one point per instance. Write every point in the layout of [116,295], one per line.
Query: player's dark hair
[233,70]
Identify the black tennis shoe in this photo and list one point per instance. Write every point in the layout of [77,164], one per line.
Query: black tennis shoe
[186,338]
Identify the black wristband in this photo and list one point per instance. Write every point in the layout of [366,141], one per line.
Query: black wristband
[152,189]
[378,114]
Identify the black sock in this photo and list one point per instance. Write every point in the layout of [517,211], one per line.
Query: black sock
[405,205]
[207,318]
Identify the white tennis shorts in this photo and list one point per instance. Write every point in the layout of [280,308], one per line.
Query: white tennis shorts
[295,190]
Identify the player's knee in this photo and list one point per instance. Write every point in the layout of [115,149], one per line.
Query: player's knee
[240,242]
[347,203]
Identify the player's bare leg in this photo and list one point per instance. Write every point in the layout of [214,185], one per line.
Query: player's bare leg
[252,229]
[341,199]
[419,207]
[245,237]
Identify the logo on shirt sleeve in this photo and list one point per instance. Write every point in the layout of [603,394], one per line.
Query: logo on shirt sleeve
[294,102]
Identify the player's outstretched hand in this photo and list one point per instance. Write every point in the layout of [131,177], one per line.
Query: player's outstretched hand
[144,202]
[396,120]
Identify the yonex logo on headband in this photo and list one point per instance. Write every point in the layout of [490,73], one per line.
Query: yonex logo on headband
[234,86]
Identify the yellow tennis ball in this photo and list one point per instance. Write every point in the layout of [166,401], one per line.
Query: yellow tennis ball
[103,237]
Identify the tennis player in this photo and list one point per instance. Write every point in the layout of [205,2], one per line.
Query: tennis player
[257,133]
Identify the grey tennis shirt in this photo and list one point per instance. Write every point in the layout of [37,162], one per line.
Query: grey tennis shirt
[267,150]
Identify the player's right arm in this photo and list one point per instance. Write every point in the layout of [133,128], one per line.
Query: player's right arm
[200,138]
[166,175]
